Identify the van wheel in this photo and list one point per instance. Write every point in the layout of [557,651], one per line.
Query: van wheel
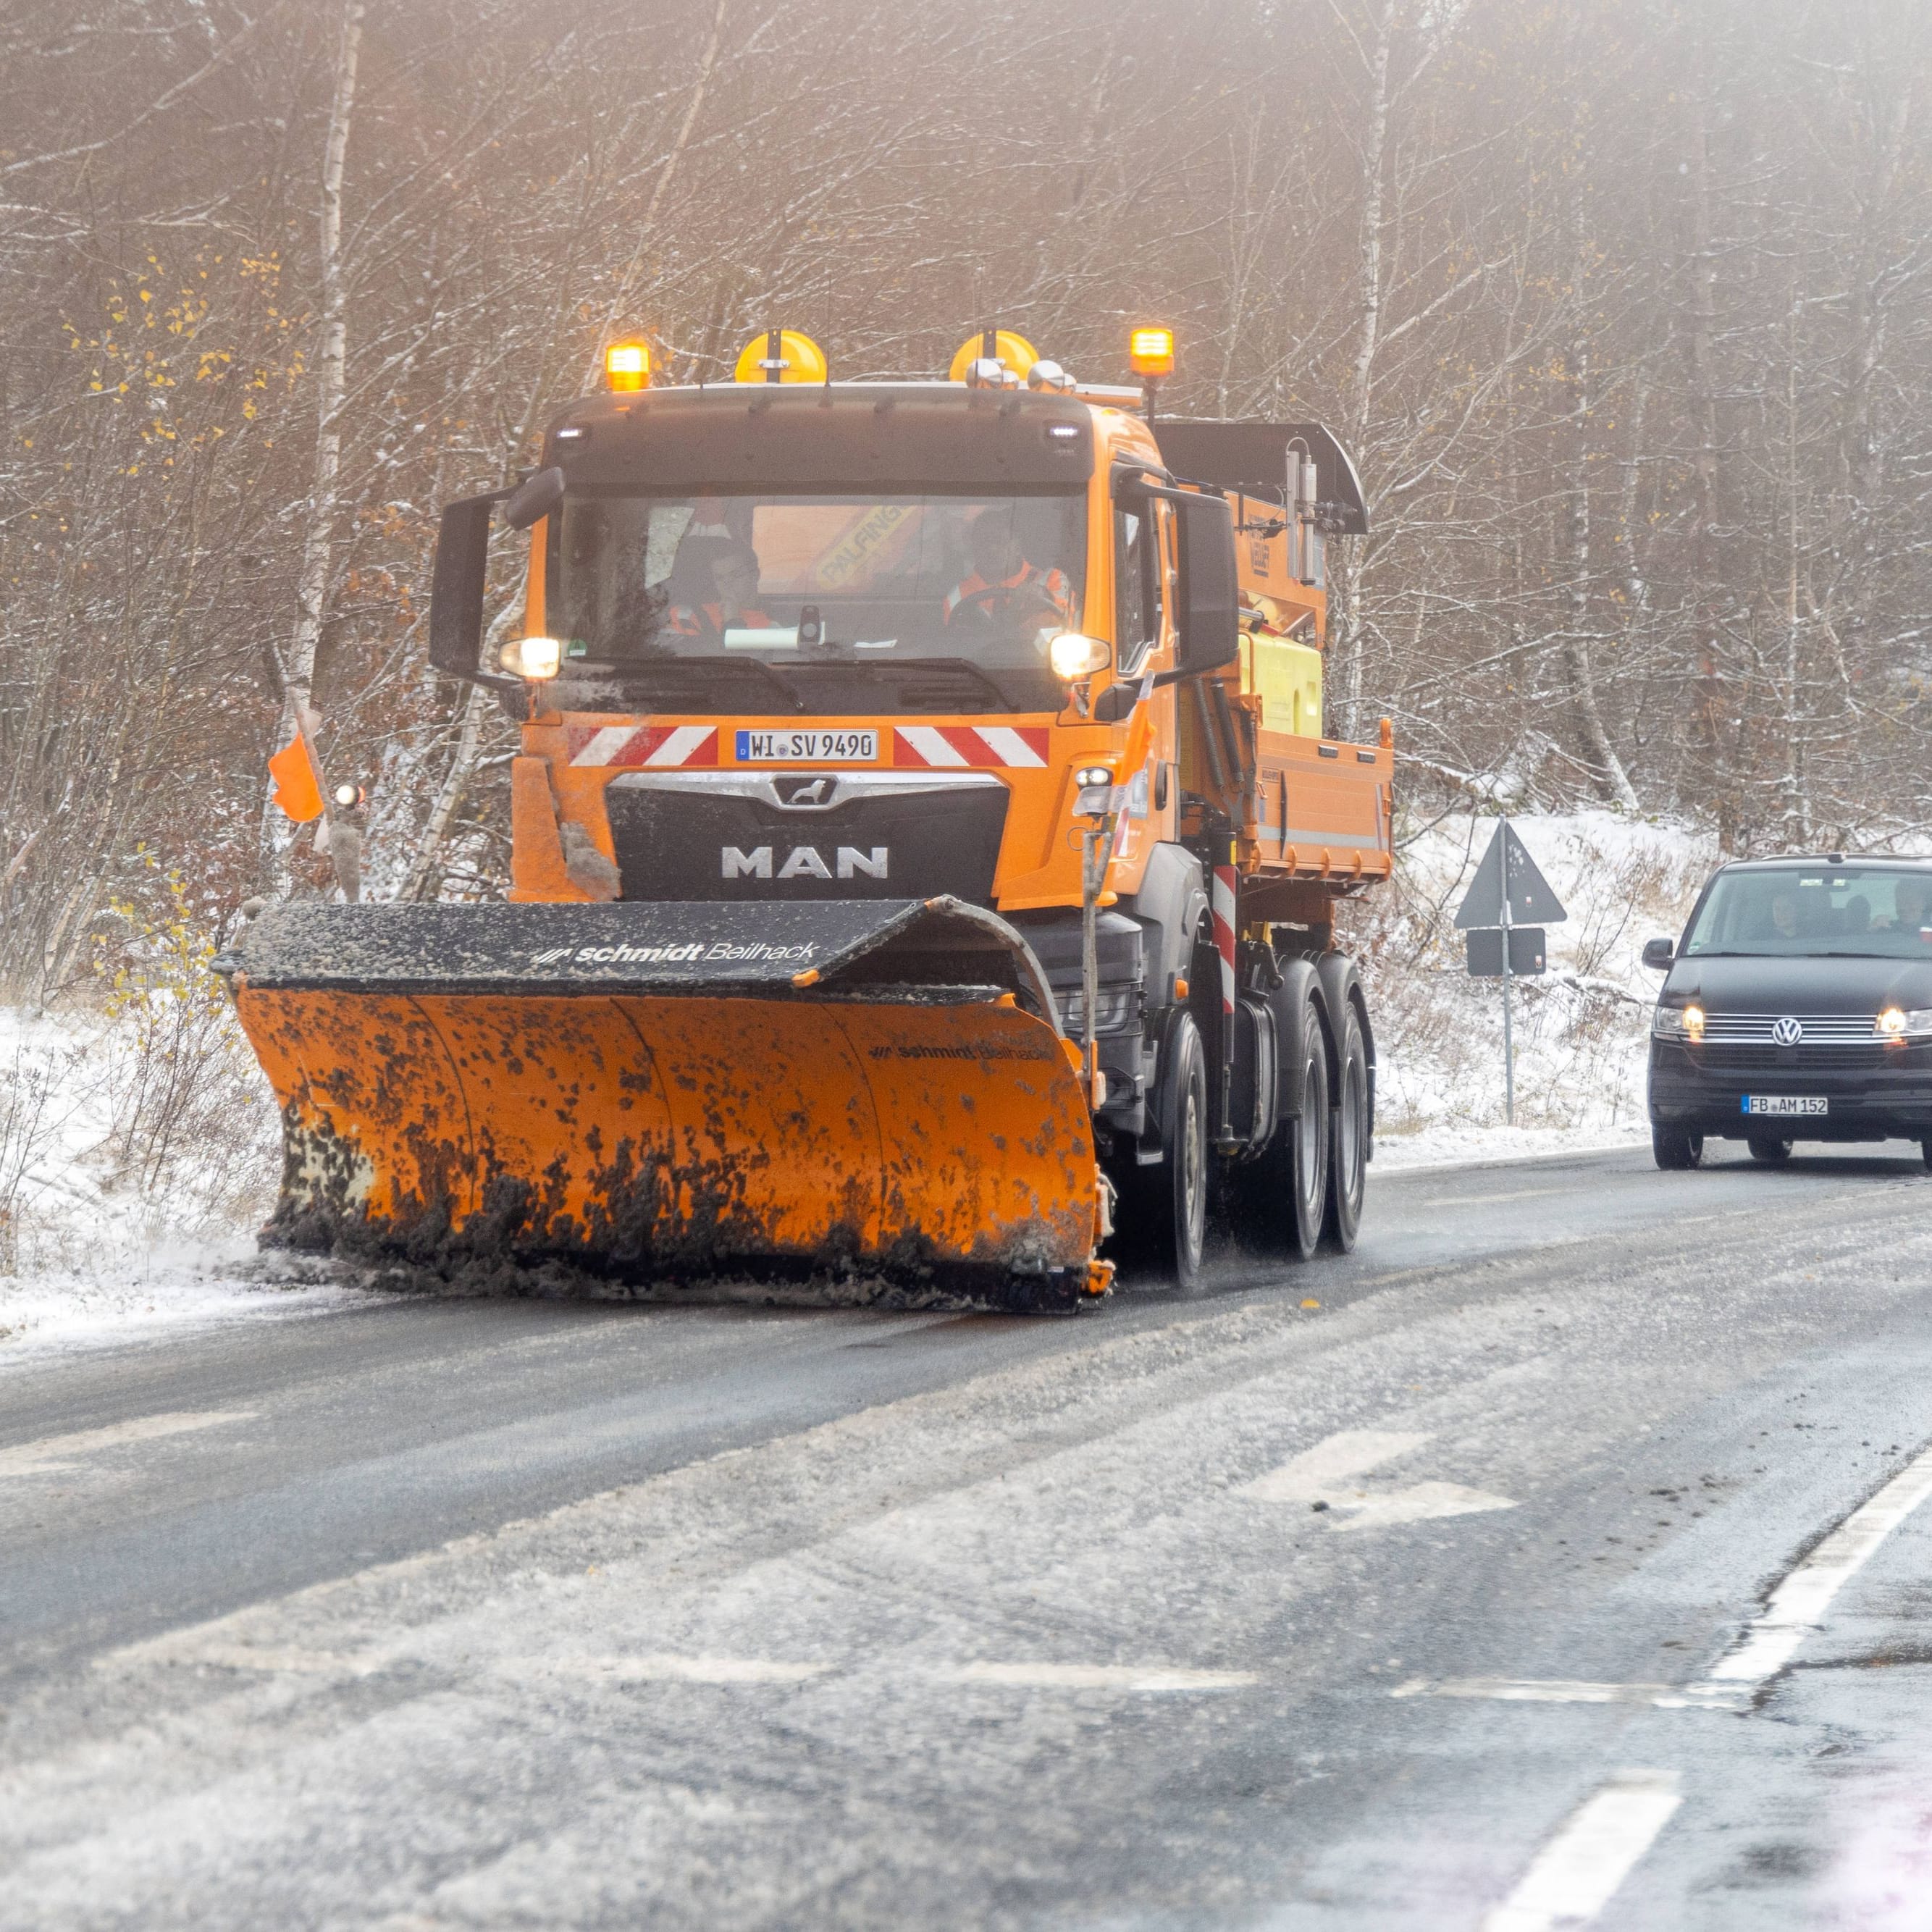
[1925,1152]
[1164,1208]
[1769,1149]
[1675,1147]
[1348,1138]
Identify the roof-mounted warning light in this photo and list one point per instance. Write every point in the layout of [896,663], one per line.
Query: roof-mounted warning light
[627,365]
[1151,351]
[995,358]
[781,355]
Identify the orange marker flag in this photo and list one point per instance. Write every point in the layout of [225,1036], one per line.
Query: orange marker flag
[298,790]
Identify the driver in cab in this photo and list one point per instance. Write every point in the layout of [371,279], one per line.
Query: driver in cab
[1003,583]
[734,570]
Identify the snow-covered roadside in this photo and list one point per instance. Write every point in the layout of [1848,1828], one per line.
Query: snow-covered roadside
[137,1156]
[1581,1031]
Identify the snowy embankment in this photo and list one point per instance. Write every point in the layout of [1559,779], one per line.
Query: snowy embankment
[1580,1030]
[139,1151]
[138,1141]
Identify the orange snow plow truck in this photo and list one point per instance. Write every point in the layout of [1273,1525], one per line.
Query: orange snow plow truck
[925,853]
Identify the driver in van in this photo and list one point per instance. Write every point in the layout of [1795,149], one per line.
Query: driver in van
[1911,898]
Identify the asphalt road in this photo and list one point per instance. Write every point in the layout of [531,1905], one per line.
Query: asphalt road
[1563,1565]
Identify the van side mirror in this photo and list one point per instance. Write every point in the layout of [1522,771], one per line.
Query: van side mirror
[456,593]
[1210,614]
[1658,954]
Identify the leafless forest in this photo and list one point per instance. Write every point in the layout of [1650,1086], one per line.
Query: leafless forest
[1625,306]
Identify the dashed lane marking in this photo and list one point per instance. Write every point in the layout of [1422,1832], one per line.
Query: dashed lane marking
[1489,1200]
[1797,1606]
[1534,1690]
[1095,1677]
[1577,1874]
[657,1669]
[55,1452]
[1325,1476]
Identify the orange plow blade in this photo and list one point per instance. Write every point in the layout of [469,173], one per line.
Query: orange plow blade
[652,1091]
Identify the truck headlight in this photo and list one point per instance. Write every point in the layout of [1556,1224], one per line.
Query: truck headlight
[533,657]
[1074,656]
[1677,1023]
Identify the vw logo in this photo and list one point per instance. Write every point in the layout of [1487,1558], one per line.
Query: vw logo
[1787,1032]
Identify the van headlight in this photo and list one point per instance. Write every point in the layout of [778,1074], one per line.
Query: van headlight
[1677,1023]
[1896,1023]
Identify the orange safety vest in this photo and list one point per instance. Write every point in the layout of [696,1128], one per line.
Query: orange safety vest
[1053,582]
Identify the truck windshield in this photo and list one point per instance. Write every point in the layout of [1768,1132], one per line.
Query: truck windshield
[795,579]
[1882,912]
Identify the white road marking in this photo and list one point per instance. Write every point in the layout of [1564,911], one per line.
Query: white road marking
[1323,1475]
[657,1669]
[1577,1874]
[1095,1677]
[1535,1691]
[1798,1605]
[1487,1200]
[53,1453]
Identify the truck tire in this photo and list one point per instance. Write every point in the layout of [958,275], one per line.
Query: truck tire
[1277,1201]
[1348,1138]
[1675,1148]
[1163,1207]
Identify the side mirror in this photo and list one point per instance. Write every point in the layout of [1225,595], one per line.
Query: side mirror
[1658,954]
[1117,701]
[456,592]
[533,498]
[1211,603]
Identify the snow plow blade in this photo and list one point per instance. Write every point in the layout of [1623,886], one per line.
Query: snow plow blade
[665,1090]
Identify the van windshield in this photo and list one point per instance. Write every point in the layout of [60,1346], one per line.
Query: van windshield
[1882,912]
[791,580]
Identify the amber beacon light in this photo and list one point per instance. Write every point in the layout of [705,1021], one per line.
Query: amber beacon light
[1151,351]
[627,365]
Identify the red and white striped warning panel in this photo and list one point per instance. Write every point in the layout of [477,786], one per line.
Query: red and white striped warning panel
[658,745]
[1222,902]
[984,745]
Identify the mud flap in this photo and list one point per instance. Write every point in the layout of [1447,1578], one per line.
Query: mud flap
[663,1090]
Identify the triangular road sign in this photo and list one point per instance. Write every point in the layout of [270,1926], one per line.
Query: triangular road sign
[1532,902]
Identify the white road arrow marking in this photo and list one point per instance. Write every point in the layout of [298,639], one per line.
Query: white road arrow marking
[54,1452]
[1325,1474]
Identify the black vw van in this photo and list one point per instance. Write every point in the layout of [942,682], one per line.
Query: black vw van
[1798,1007]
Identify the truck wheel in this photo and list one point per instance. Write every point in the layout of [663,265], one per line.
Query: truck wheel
[1348,1138]
[1307,1139]
[1768,1148]
[1674,1147]
[1163,1208]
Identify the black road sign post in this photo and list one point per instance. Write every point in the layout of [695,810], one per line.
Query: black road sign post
[1508,896]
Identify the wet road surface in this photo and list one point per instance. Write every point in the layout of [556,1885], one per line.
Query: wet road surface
[1563,1564]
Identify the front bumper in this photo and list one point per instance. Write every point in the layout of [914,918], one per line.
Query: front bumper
[1875,1093]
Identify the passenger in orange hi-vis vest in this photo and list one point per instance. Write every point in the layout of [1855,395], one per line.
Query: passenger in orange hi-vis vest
[734,575]
[1002,582]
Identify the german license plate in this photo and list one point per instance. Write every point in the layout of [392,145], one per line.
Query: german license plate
[816,747]
[1786,1103]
